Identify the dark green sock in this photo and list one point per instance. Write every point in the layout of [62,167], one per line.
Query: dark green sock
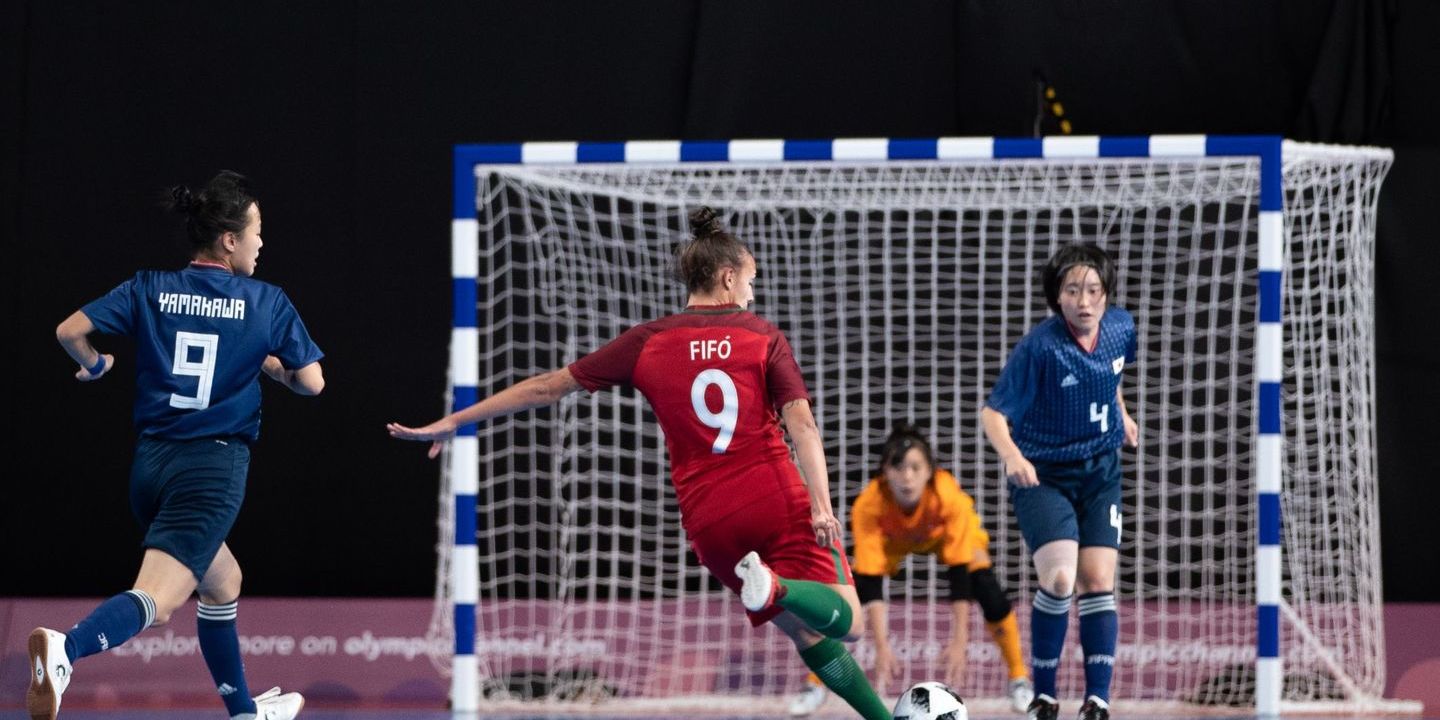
[834,666]
[817,606]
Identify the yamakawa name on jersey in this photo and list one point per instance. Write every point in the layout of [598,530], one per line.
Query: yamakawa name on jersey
[182,304]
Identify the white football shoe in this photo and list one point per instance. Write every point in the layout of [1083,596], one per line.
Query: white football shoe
[809,700]
[49,673]
[273,705]
[1021,693]
[759,588]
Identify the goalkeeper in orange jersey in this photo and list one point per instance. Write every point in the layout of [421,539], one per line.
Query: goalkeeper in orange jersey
[912,507]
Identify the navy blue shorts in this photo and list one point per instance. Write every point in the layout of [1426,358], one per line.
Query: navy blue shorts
[1077,500]
[186,495]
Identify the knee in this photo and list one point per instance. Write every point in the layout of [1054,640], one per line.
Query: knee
[994,605]
[227,589]
[1095,582]
[1059,582]
[165,598]
[230,589]
[163,610]
[805,638]
[857,625]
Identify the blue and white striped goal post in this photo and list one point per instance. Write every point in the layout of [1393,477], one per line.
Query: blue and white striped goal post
[465,340]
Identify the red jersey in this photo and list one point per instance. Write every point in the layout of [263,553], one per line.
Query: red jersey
[716,377]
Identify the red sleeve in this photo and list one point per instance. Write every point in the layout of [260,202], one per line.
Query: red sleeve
[613,364]
[783,374]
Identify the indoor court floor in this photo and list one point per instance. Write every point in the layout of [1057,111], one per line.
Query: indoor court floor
[391,714]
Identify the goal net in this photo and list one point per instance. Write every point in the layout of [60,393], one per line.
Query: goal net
[902,286]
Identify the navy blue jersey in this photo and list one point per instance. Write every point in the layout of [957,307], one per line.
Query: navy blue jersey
[1061,400]
[201,335]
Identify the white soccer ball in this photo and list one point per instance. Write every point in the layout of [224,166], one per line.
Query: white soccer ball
[930,701]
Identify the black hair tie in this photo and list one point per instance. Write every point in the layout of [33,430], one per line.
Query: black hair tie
[183,199]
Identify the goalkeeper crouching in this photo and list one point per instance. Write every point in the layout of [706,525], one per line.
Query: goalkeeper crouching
[912,507]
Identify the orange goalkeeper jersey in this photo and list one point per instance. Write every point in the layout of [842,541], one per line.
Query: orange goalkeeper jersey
[944,524]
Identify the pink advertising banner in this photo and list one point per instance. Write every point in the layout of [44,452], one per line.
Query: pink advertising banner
[338,652]
[374,653]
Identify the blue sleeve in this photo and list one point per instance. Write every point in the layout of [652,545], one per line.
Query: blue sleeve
[289,340]
[114,314]
[1015,390]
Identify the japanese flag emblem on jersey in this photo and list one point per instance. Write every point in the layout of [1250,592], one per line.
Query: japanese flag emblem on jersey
[1118,364]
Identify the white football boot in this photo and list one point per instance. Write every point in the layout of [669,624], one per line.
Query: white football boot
[274,705]
[49,673]
[759,588]
[1021,692]
[809,700]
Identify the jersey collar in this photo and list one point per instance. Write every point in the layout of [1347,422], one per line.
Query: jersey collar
[201,265]
[1093,344]
[722,309]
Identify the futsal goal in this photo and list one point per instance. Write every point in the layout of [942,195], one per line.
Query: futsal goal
[903,272]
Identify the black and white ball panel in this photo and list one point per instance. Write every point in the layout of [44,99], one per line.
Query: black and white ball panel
[930,701]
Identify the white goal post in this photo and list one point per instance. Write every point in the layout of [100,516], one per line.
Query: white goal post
[903,271]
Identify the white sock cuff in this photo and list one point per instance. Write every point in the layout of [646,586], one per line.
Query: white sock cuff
[1097,603]
[1051,605]
[218,613]
[147,607]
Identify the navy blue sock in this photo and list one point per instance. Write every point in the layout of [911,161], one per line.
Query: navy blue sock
[219,643]
[116,620]
[1099,626]
[1049,619]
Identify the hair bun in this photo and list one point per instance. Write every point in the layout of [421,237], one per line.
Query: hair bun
[906,428]
[183,199]
[705,222]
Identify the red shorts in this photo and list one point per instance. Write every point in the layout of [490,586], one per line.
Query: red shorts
[778,529]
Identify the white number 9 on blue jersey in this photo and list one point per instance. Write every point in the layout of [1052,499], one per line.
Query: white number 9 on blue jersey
[724,420]
[204,368]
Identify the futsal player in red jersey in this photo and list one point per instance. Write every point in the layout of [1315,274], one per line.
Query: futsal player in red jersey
[721,380]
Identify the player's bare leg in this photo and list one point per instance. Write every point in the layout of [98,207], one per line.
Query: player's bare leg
[167,581]
[162,586]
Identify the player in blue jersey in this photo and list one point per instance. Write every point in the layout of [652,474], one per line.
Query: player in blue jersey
[1057,419]
[203,335]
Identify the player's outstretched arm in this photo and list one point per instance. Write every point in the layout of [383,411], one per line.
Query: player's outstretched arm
[886,669]
[538,391]
[800,423]
[73,335]
[997,430]
[308,380]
